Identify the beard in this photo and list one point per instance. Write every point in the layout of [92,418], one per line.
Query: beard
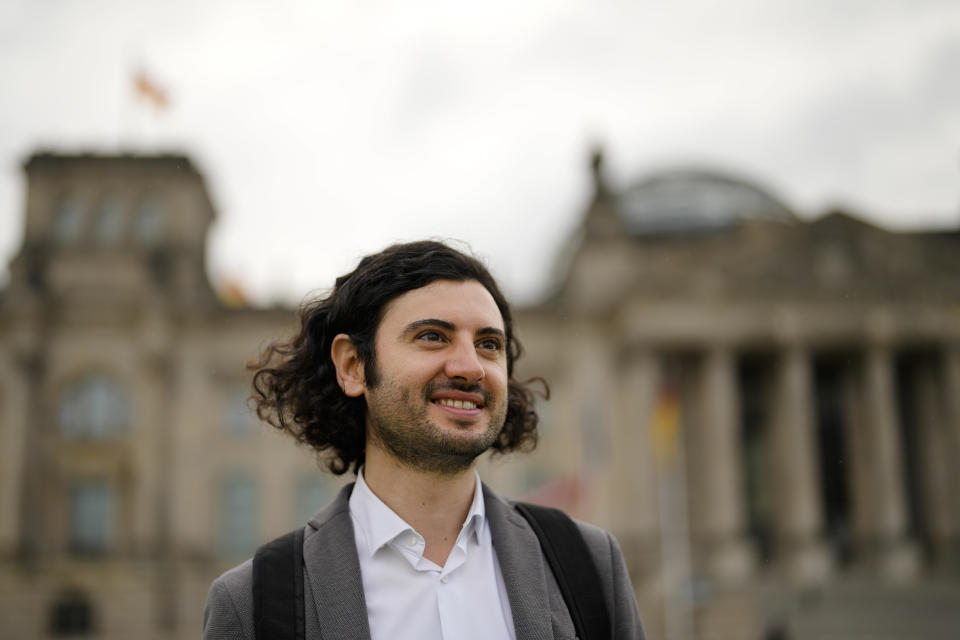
[398,420]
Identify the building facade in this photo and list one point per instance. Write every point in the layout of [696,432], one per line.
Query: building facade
[132,471]
[765,411]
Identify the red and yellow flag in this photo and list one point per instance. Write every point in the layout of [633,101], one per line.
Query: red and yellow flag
[148,90]
[665,425]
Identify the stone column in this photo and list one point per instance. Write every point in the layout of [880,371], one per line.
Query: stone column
[34,500]
[669,425]
[728,555]
[633,481]
[594,386]
[14,426]
[950,389]
[937,459]
[895,555]
[798,515]
[159,371]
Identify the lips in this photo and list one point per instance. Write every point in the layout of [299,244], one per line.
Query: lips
[458,400]
[456,404]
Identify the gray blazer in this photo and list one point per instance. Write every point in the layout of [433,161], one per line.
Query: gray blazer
[333,590]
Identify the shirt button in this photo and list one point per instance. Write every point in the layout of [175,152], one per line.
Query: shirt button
[444,579]
[412,540]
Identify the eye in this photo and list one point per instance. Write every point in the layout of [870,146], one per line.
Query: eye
[490,344]
[430,336]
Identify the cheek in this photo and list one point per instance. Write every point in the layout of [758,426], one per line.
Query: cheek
[413,372]
[498,379]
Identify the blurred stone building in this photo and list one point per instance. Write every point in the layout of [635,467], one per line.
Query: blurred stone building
[766,411]
[131,471]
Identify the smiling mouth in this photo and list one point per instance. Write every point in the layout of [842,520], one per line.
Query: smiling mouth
[456,404]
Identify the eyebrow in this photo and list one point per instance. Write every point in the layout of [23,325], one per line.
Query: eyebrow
[416,325]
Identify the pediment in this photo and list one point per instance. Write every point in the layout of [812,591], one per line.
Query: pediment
[837,257]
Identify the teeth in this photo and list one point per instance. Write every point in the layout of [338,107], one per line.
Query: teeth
[457,404]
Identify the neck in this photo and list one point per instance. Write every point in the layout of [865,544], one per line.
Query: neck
[434,504]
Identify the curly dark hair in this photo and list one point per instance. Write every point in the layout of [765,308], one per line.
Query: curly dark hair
[295,386]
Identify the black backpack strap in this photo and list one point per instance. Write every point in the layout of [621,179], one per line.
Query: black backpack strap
[568,557]
[278,589]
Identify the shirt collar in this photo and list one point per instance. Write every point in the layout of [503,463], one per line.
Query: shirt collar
[380,524]
[476,516]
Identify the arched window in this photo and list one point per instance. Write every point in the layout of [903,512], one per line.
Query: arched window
[94,407]
[150,221]
[108,223]
[68,220]
[71,615]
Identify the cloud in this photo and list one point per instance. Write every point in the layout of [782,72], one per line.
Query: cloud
[330,129]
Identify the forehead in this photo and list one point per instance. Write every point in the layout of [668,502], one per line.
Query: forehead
[466,304]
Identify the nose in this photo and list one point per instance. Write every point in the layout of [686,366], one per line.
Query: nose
[464,363]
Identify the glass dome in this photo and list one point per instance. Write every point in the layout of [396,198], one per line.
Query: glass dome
[687,201]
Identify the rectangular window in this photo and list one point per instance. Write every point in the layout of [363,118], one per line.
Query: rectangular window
[238,516]
[92,512]
[240,419]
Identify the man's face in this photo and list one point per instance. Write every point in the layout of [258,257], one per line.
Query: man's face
[440,396]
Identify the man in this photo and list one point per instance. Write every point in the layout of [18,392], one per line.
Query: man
[404,375]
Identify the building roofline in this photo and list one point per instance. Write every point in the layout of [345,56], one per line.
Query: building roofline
[174,160]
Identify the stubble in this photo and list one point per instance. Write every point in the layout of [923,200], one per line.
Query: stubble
[398,420]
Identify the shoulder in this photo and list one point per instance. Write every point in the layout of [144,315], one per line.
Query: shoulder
[228,614]
[601,543]
[615,584]
[614,580]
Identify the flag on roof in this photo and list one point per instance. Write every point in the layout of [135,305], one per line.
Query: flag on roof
[147,89]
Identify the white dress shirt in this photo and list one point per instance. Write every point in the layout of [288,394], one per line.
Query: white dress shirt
[411,598]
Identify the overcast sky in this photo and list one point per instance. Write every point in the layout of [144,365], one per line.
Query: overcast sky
[327,130]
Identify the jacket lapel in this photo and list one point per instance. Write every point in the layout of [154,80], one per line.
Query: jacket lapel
[333,573]
[523,568]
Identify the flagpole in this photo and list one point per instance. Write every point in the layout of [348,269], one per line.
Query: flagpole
[125,97]
[672,507]
[149,96]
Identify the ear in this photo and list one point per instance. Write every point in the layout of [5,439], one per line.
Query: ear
[349,367]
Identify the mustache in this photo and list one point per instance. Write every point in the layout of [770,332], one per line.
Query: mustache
[433,387]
